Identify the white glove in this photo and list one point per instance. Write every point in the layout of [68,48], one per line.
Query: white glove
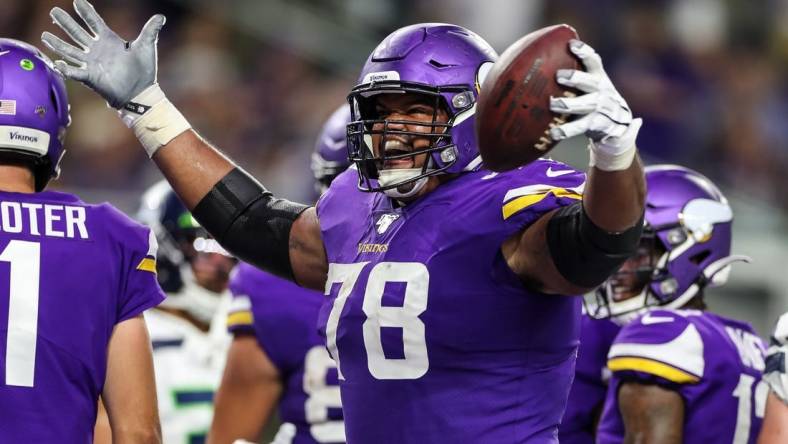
[123,73]
[116,69]
[776,373]
[606,117]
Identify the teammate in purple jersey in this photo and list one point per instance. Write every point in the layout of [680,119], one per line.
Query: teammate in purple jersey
[446,283]
[74,280]
[274,319]
[277,358]
[589,388]
[680,374]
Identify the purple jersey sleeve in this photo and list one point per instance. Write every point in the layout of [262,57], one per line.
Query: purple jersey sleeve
[240,318]
[136,247]
[538,188]
[660,347]
[281,315]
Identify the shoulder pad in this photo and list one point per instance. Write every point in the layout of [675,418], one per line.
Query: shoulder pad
[543,183]
[661,343]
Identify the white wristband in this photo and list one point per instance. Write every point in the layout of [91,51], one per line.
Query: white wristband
[616,156]
[612,162]
[154,119]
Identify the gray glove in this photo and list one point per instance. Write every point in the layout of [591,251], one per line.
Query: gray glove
[116,69]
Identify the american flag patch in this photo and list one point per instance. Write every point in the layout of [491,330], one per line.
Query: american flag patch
[8,107]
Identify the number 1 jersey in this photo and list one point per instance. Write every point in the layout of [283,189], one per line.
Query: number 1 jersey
[69,272]
[435,338]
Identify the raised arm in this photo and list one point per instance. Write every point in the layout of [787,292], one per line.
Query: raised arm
[574,249]
[279,236]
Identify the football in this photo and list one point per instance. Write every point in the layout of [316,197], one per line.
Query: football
[513,117]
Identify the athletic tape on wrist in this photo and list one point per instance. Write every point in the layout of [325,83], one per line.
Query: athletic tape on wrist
[154,119]
[618,156]
[159,125]
[141,104]
[612,162]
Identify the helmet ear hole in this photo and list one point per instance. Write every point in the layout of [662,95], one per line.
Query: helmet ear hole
[700,257]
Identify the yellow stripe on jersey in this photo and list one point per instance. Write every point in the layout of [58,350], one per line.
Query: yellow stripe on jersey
[514,206]
[147,264]
[240,318]
[653,367]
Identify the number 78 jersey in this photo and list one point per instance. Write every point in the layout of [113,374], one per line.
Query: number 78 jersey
[435,338]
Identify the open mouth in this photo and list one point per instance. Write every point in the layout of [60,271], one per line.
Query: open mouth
[395,149]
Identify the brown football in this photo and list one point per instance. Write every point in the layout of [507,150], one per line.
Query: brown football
[513,117]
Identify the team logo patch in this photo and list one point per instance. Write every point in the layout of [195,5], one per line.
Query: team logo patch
[41,111]
[385,221]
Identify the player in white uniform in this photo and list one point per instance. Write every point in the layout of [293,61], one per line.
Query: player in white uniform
[775,423]
[187,332]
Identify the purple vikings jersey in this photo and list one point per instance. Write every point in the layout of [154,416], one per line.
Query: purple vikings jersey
[69,272]
[587,395]
[436,339]
[283,318]
[714,363]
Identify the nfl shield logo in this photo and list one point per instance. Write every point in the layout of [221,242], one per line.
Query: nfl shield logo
[385,221]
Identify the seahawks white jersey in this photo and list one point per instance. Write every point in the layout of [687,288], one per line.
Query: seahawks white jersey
[188,365]
[776,373]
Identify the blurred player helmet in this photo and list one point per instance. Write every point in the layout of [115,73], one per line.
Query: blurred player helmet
[330,157]
[444,62]
[181,239]
[34,110]
[686,246]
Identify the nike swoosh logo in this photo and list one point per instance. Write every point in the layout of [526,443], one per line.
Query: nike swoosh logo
[648,319]
[489,176]
[551,173]
[2,53]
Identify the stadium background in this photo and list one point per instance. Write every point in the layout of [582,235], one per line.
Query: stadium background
[257,78]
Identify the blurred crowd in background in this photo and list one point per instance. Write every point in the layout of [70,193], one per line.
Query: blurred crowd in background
[708,76]
[258,77]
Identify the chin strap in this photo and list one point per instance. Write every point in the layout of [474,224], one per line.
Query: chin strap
[390,177]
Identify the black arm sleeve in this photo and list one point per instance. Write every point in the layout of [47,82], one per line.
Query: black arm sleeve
[585,254]
[249,222]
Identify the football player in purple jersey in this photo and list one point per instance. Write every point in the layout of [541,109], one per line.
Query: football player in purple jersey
[446,284]
[680,374]
[775,422]
[277,359]
[74,280]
